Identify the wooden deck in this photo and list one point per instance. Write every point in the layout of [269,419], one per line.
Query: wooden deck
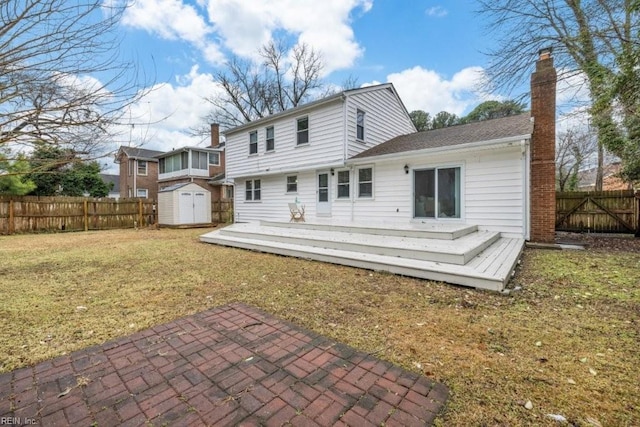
[450,253]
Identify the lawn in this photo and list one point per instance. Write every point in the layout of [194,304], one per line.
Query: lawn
[568,342]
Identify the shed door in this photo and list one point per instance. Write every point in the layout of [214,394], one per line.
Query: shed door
[186,207]
[199,207]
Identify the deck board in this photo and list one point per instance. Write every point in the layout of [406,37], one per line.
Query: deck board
[490,268]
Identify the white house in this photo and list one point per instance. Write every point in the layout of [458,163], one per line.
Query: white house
[301,154]
[453,204]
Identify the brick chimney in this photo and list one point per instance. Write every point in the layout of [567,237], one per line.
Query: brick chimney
[543,149]
[215,135]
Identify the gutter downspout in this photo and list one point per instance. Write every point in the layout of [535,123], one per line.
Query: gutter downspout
[346,153]
[135,178]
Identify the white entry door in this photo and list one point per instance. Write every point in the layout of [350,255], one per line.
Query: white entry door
[323,197]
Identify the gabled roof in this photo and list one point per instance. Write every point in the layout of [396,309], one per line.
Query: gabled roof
[303,107]
[520,125]
[138,153]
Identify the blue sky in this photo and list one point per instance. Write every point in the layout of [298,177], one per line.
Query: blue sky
[430,50]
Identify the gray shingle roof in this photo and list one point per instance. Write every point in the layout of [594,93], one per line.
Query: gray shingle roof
[140,153]
[487,130]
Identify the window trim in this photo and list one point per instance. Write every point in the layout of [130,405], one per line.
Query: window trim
[253,143]
[267,139]
[250,188]
[298,131]
[139,163]
[146,193]
[209,158]
[359,126]
[339,184]
[369,197]
[436,168]
[289,191]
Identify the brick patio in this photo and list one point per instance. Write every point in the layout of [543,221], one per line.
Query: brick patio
[232,365]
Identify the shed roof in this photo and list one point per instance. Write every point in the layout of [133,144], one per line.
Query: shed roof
[487,130]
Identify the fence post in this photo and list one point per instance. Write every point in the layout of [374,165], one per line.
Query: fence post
[11,225]
[86,215]
[637,213]
[140,212]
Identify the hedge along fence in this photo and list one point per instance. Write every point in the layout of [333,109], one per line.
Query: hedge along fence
[598,211]
[32,214]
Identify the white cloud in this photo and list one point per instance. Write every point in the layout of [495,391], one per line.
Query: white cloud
[248,24]
[437,12]
[422,89]
[174,20]
[161,119]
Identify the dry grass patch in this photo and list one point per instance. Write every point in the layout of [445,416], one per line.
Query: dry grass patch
[568,342]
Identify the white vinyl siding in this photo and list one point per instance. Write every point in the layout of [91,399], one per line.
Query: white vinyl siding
[384,119]
[326,145]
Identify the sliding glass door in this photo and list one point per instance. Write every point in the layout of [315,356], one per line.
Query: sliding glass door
[437,193]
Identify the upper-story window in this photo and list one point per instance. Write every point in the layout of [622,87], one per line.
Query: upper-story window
[142,167]
[174,163]
[365,182]
[303,130]
[253,142]
[343,184]
[270,139]
[214,159]
[360,125]
[199,160]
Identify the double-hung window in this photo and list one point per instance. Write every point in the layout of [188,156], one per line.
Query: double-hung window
[270,143]
[343,184]
[252,190]
[302,128]
[253,142]
[360,125]
[292,184]
[142,167]
[365,182]
[214,159]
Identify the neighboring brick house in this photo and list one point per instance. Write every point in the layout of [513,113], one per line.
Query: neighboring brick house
[138,172]
[204,166]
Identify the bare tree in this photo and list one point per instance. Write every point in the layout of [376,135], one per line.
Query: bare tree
[590,37]
[573,147]
[284,79]
[62,80]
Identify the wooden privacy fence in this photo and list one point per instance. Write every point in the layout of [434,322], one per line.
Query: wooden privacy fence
[29,214]
[222,211]
[598,211]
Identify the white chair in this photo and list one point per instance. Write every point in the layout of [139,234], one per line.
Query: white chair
[297,212]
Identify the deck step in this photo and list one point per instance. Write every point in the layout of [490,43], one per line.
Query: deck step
[459,251]
[426,231]
[490,269]
[478,259]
